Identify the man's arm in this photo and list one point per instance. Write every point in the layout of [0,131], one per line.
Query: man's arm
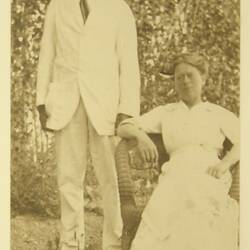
[45,63]
[121,117]
[128,66]
[46,56]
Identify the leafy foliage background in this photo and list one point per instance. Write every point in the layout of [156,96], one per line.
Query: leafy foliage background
[165,27]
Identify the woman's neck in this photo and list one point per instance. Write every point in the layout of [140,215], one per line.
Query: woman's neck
[192,102]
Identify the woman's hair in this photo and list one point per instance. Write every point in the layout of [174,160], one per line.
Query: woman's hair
[195,59]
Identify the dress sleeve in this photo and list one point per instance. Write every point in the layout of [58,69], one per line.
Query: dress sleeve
[230,125]
[150,122]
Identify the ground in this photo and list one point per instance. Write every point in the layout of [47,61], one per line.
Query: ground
[31,232]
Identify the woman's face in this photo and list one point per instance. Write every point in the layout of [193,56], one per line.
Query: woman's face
[188,82]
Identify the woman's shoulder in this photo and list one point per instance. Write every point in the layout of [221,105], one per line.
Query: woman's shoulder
[219,111]
[170,107]
[162,110]
[215,107]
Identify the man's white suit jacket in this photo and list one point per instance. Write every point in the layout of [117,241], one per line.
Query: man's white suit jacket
[96,60]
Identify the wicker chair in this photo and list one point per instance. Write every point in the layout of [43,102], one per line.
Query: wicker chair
[130,211]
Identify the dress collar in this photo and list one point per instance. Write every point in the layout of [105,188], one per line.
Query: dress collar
[199,105]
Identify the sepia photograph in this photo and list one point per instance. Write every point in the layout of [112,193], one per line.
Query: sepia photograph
[125,125]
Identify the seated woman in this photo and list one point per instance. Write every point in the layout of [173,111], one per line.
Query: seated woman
[190,208]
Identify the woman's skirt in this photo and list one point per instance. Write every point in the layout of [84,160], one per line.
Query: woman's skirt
[189,209]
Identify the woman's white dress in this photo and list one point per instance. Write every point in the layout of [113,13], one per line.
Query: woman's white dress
[189,209]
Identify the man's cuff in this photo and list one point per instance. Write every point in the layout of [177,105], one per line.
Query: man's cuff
[128,112]
[124,116]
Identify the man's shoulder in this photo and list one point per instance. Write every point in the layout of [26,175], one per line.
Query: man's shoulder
[51,5]
[52,2]
[120,4]
[121,7]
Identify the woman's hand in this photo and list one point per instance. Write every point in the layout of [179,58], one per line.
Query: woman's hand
[218,170]
[147,149]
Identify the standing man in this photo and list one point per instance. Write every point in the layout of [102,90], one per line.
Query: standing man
[88,81]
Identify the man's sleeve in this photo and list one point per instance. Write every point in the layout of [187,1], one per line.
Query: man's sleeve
[47,55]
[128,65]
[150,122]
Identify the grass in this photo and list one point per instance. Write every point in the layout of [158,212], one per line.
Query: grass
[31,232]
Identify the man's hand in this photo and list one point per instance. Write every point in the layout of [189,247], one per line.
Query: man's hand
[218,170]
[120,117]
[43,117]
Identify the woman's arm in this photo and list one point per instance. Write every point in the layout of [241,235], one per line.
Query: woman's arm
[137,128]
[233,156]
[146,147]
[226,163]
[230,127]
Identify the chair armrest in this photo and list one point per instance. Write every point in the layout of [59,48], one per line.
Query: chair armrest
[234,191]
[131,214]
[125,183]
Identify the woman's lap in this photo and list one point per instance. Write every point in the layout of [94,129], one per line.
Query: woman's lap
[192,233]
[214,229]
